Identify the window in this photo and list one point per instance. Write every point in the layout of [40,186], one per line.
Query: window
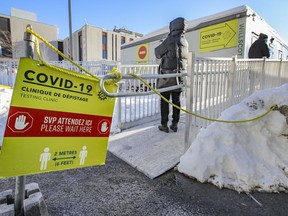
[104,54]
[80,46]
[122,40]
[104,45]
[112,47]
[104,38]
[280,54]
[5,38]
[116,47]
[60,48]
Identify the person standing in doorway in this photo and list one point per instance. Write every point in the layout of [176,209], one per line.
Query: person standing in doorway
[173,52]
[259,48]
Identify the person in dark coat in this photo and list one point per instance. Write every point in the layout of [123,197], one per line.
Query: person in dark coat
[259,48]
[173,52]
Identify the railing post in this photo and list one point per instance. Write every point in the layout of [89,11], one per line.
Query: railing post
[189,99]
[251,77]
[119,117]
[231,80]
[262,84]
[20,180]
[9,73]
[280,72]
[119,124]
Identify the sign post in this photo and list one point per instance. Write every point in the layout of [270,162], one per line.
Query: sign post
[20,180]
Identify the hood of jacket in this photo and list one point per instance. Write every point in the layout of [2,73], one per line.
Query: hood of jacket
[179,24]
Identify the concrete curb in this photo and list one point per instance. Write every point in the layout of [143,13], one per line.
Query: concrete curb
[33,204]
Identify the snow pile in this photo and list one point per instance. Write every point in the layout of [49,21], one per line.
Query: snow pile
[5,98]
[245,157]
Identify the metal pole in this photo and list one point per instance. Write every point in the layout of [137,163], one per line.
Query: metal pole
[20,180]
[19,195]
[70,29]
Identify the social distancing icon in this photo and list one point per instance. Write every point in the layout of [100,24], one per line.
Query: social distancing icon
[83,154]
[44,158]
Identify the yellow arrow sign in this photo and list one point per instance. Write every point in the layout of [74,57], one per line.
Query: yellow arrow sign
[219,36]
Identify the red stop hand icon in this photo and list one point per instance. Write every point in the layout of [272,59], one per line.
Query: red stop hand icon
[104,126]
[20,122]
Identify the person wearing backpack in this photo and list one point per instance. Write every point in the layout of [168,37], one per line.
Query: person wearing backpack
[173,52]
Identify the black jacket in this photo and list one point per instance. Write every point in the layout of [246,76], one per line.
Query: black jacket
[173,51]
[259,49]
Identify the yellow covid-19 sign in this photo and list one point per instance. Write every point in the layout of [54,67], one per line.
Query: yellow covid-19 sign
[219,36]
[57,120]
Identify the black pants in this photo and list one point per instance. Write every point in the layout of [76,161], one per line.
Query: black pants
[165,107]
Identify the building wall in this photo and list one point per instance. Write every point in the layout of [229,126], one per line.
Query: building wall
[92,44]
[241,22]
[87,41]
[18,27]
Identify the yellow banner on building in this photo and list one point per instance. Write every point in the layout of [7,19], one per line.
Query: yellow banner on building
[57,121]
[219,36]
[142,53]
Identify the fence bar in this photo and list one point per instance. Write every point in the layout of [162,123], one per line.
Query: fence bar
[145,76]
[189,101]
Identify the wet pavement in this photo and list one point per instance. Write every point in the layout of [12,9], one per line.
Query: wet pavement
[119,189]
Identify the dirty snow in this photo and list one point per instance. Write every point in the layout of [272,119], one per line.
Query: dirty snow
[251,156]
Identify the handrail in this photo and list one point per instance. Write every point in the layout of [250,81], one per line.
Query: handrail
[143,76]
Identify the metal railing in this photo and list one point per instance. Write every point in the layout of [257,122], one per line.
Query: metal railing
[136,103]
[220,83]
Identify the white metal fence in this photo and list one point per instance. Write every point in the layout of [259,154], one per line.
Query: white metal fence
[220,83]
[98,68]
[8,71]
[134,110]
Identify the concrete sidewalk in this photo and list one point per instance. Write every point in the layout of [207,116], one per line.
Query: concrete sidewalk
[149,150]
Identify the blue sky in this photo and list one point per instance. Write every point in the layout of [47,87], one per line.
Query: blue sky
[142,17]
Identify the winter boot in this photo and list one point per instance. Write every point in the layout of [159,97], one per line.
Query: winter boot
[163,128]
[174,127]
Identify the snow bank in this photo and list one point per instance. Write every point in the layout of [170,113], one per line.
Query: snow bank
[245,157]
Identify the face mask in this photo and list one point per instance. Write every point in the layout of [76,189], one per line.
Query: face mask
[266,40]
